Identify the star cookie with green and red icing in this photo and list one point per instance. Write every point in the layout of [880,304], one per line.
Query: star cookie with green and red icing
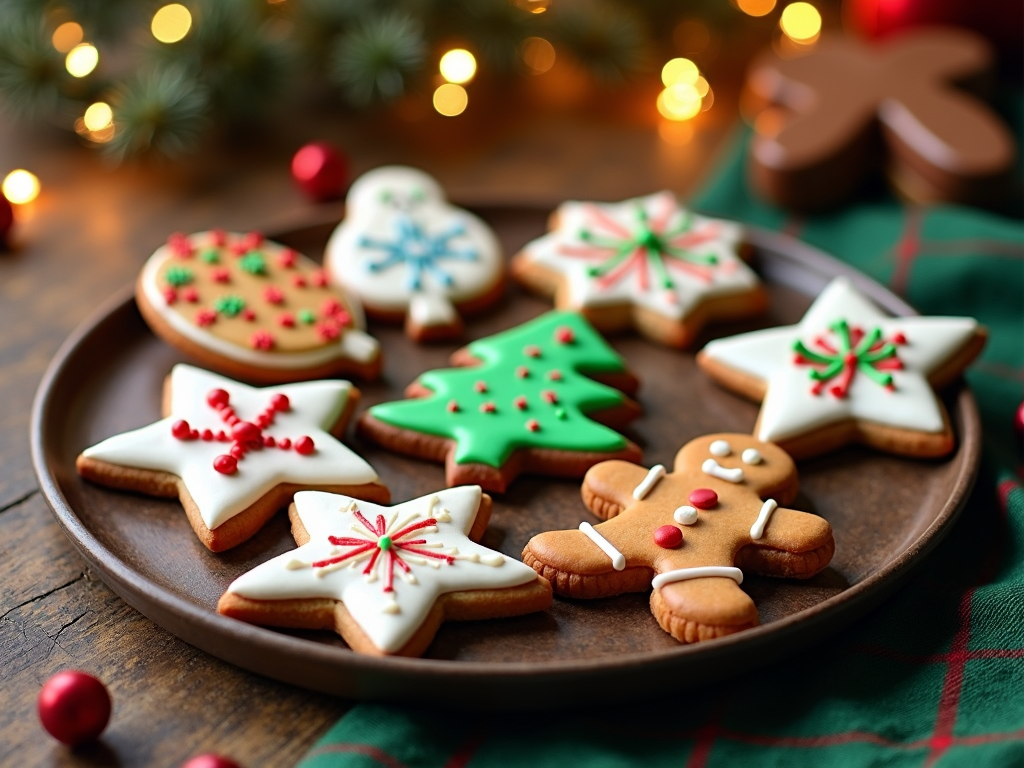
[848,373]
[385,578]
[646,263]
[537,399]
[254,309]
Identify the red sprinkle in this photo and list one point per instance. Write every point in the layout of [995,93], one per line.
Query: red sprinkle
[252,240]
[181,430]
[488,407]
[248,314]
[191,295]
[298,281]
[273,294]
[284,443]
[549,397]
[533,425]
[245,431]
[280,402]
[221,275]
[319,278]
[170,295]
[205,317]
[520,403]
[287,258]
[226,465]
[218,237]
[522,371]
[704,498]
[261,340]
[564,335]
[180,245]
[286,320]
[899,338]
[328,330]
[480,386]
[668,536]
[531,350]
[207,435]
[304,445]
[555,375]
[269,441]
[452,407]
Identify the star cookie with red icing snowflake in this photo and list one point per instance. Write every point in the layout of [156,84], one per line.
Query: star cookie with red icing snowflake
[646,263]
[848,373]
[385,578]
[235,454]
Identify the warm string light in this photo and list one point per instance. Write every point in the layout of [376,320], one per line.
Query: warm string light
[82,59]
[171,23]
[533,6]
[98,116]
[67,36]
[20,187]
[686,92]
[538,54]
[756,7]
[801,23]
[458,66]
[450,99]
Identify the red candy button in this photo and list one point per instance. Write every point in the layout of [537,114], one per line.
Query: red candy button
[304,446]
[704,498]
[217,397]
[244,431]
[226,465]
[668,536]
[181,430]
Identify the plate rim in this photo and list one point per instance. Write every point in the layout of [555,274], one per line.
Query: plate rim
[192,622]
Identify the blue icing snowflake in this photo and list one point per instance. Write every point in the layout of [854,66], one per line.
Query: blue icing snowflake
[420,251]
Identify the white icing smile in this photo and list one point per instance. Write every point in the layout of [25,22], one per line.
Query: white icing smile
[713,468]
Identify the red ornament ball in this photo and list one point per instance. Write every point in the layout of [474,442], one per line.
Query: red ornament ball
[6,219]
[211,761]
[74,707]
[320,170]
[668,536]
[704,498]
[1018,422]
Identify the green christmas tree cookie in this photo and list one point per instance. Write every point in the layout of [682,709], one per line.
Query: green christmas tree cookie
[539,398]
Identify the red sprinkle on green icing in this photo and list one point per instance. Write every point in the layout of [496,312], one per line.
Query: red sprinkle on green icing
[261,340]
[564,335]
[452,407]
[488,407]
[205,317]
[522,372]
[520,403]
[555,375]
[480,386]
[533,425]
[531,350]
[548,396]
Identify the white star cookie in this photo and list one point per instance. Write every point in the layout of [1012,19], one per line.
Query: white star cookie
[849,373]
[386,577]
[235,454]
[646,263]
[410,255]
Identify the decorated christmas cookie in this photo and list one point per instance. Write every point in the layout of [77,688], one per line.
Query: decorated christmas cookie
[526,401]
[253,309]
[410,255]
[235,454]
[691,534]
[385,578]
[647,263]
[841,112]
[848,373]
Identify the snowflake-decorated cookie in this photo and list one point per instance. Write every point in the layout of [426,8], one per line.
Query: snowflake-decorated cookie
[385,578]
[849,373]
[646,263]
[410,255]
[254,309]
[235,454]
[524,400]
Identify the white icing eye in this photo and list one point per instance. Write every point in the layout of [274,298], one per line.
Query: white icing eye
[751,456]
[720,448]
[685,515]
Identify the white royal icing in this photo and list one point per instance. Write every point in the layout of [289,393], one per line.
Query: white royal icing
[790,407]
[713,468]
[565,252]
[685,515]
[654,474]
[315,408]
[751,456]
[407,209]
[720,448]
[757,529]
[617,558]
[389,619]
[684,574]
[353,344]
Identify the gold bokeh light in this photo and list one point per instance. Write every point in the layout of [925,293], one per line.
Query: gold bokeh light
[538,54]
[458,66]
[679,71]
[171,23]
[801,22]
[450,99]
[679,102]
[756,7]
[67,36]
[82,59]
[98,116]
[20,187]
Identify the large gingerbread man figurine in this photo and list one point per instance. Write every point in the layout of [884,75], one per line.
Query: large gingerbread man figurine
[846,98]
[691,534]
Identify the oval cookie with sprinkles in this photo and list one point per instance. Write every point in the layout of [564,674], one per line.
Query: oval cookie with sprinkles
[254,309]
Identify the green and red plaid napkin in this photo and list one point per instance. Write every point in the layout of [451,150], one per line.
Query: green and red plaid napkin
[933,678]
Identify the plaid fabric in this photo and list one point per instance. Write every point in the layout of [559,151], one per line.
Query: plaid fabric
[934,678]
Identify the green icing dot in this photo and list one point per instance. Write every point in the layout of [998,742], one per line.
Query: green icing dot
[560,413]
[306,316]
[210,256]
[229,305]
[178,276]
[384,542]
[253,263]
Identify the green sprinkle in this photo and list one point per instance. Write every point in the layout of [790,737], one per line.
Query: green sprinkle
[210,256]
[229,305]
[305,316]
[253,263]
[560,413]
[178,276]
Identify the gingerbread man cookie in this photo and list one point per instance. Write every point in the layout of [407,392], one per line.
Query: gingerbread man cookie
[385,578]
[846,97]
[646,263]
[691,534]
[410,255]
[254,309]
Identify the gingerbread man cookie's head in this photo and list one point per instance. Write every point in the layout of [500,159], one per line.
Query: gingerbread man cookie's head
[690,534]
[836,106]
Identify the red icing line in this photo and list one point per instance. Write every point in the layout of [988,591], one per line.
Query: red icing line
[603,219]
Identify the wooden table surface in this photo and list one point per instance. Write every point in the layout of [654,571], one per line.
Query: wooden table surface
[85,238]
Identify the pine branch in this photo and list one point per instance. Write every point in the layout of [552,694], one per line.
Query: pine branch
[373,61]
[31,72]
[606,38]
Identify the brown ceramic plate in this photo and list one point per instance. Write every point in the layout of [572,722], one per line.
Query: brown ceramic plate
[887,512]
